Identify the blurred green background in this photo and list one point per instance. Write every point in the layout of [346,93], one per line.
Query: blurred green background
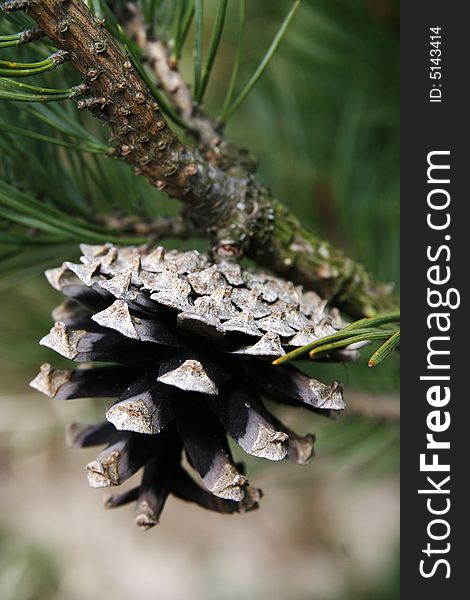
[323,124]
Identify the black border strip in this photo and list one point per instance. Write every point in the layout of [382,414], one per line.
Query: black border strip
[429,127]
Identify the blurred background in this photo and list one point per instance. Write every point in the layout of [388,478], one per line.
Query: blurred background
[323,123]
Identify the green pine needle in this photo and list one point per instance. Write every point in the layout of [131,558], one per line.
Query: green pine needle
[264,62]
[357,337]
[58,119]
[16,72]
[17,85]
[18,69]
[11,89]
[376,321]
[9,43]
[237,61]
[183,29]
[16,97]
[199,21]
[23,209]
[18,65]
[178,20]
[90,148]
[213,47]
[385,349]
[10,36]
[363,330]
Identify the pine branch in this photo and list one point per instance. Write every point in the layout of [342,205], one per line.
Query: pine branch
[232,206]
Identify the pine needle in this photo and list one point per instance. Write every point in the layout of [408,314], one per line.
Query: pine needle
[385,349]
[238,59]
[213,47]
[264,62]
[199,23]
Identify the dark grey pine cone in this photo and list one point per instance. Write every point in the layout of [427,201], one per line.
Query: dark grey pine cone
[191,345]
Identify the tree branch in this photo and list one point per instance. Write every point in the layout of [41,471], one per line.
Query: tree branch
[230,204]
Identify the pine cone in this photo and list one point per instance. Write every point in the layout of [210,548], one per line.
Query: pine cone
[191,345]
